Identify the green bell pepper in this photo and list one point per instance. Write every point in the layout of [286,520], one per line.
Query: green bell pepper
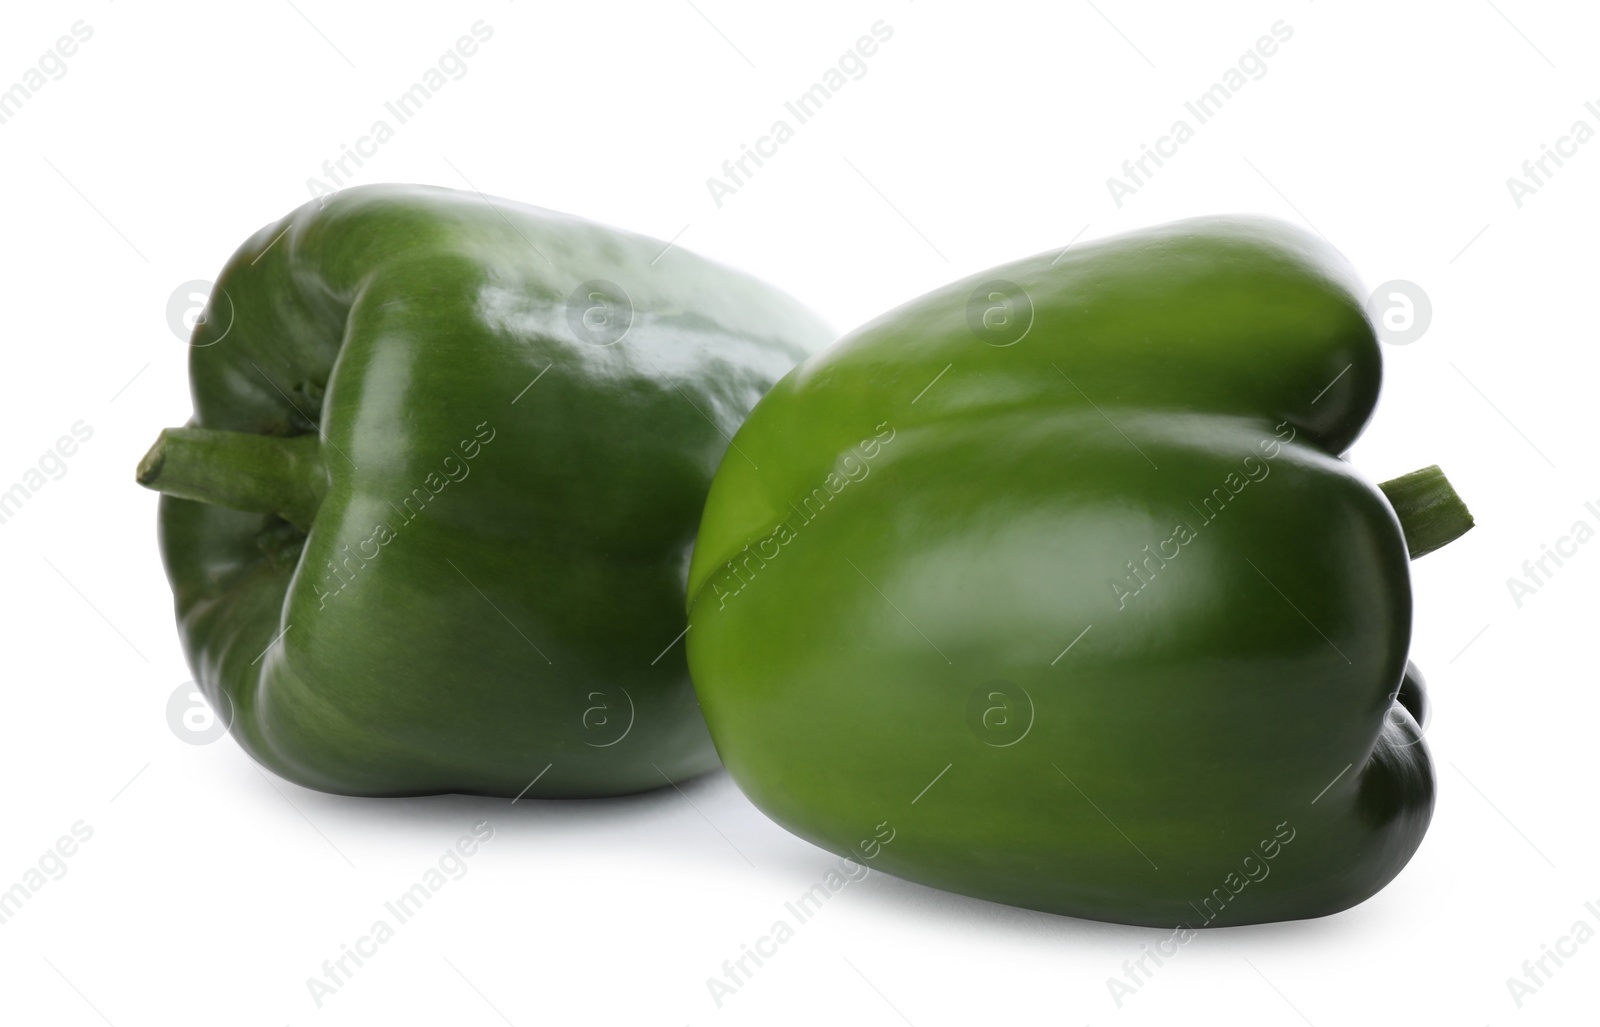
[1050,587]
[429,527]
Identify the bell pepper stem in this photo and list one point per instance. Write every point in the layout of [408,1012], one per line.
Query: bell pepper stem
[1431,514]
[239,470]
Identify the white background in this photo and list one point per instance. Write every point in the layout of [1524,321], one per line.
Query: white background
[210,891]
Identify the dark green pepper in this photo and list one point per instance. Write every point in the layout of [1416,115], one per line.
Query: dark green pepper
[429,528]
[1055,577]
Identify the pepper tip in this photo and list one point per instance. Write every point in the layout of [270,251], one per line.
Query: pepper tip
[150,464]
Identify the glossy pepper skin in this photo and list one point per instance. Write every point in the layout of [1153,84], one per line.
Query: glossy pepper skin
[1050,587]
[469,498]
